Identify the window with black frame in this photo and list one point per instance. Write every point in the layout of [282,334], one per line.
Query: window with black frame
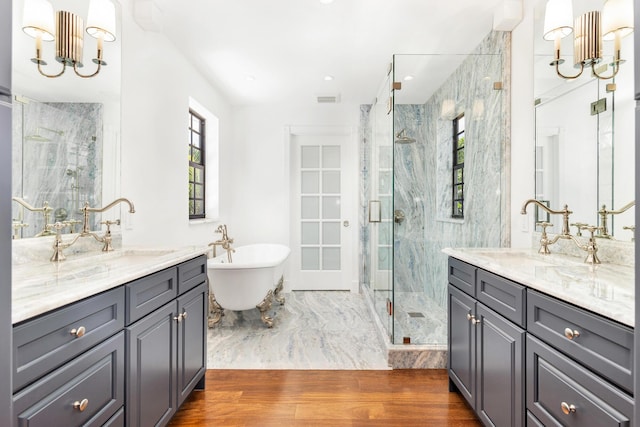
[196,166]
[458,167]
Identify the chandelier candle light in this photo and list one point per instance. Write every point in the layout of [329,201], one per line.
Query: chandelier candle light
[66,28]
[613,23]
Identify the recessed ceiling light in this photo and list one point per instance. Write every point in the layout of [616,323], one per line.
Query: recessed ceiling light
[408,77]
[328,78]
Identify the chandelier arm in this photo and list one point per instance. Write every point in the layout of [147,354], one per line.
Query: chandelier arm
[51,76]
[86,76]
[616,68]
[557,64]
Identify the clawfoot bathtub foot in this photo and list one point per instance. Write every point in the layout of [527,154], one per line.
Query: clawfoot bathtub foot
[279,297]
[215,310]
[264,307]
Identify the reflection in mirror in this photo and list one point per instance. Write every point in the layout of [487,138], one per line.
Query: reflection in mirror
[584,149]
[65,131]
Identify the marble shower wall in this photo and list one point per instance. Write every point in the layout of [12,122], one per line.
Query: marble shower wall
[422,171]
[57,157]
[487,116]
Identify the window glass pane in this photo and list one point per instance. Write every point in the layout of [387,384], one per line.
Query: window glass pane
[384,157]
[196,155]
[459,176]
[331,156]
[384,233]
[195,122]
[461,124]
[310,156]
[191,207]
[199,176]
[195,139]
[331,182]
[310,258]
[199,191]
[331,207]
[458,191]
[460,155]
[331,258]
[199,210]
[310,233]
[310,182]
[331,233]
[384,258]
[191,174]
[191,191]
[386,210]
[461,141]
[310,207]
[384,185]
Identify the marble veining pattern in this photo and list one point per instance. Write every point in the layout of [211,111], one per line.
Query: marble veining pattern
[38,287]
[312,330]
[57,153]
[606,289]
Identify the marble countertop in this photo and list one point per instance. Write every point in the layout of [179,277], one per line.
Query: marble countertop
[38,287]
[606,289]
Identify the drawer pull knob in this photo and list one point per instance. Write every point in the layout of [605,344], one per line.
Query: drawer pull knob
[81,405]
[568,409]
[472,319]
[78,332]
[571,334]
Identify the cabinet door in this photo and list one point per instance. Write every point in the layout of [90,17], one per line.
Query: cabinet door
[192,340]
[152,362]
[499,370]
[462,343]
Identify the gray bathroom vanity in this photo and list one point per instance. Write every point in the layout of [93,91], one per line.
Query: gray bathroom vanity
[112,339]
[540,341]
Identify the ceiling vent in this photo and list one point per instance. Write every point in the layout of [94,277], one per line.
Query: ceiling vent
[328,99]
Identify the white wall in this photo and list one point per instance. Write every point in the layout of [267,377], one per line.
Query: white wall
[157,82]
[522,127]
[257,179]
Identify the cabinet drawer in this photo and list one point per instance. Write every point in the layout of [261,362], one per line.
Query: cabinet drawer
[462,276]
[97,376]
[150,293]
[503,296]
[191,274]
[117,420]
[554,381]
[604,346]
[42,344]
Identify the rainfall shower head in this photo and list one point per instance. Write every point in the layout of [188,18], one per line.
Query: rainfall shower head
[402,138]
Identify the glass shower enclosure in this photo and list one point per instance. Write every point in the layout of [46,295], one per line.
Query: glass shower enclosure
[434,162]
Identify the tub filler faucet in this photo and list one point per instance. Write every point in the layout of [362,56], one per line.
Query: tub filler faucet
[225,242]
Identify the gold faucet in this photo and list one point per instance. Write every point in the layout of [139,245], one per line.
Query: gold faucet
[604,213]
[59,244]
[224,242]
[565,212]
[45,209]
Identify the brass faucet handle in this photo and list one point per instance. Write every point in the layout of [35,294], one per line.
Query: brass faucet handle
[58,226]
[544,225]
[110,223]
[591,229]
[579,226]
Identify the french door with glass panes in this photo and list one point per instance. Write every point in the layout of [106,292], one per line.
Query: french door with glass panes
[321,209]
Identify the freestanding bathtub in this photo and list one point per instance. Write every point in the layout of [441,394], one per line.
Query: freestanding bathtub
[252,280]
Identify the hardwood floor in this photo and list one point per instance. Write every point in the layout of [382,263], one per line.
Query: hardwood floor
[282,398]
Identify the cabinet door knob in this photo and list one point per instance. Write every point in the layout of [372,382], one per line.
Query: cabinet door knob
[81,405]
[567,409]
[184,314]
[472,319]
[571,334]
[78,332]
[178,318]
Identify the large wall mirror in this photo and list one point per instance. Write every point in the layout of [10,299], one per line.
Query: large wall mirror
[585,131]
[66,130]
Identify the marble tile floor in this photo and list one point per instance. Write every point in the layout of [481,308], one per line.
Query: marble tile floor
[312,330]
